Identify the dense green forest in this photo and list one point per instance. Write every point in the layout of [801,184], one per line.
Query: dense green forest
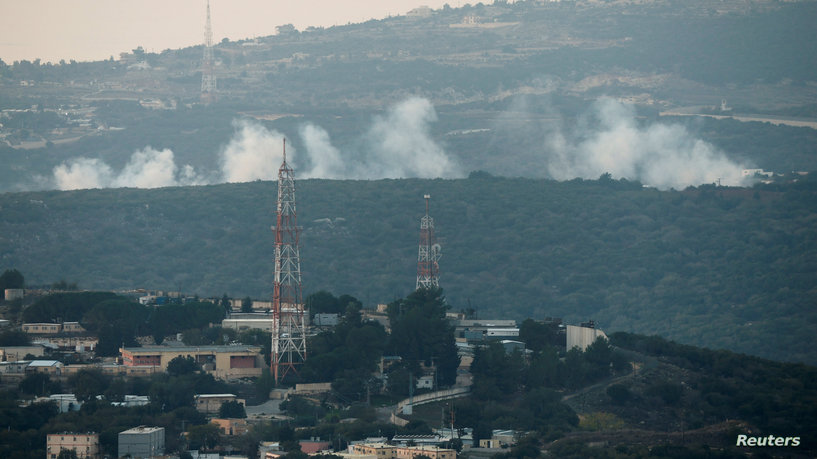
[711,266]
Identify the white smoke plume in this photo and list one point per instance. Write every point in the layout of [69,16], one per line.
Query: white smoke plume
[254,153]
[326,160]
[401,145]
[147,168]
[660,155]
[398,144]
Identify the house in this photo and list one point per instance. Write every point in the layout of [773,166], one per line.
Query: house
[85,445]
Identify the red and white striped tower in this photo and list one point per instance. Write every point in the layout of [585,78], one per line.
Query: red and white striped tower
[288,328]
[428,268]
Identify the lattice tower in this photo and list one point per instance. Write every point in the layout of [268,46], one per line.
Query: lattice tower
[428,268]
[288,328]
[208,77]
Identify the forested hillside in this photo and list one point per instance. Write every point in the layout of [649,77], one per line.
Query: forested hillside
[711,266]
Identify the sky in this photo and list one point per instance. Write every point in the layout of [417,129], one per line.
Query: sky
[85,30]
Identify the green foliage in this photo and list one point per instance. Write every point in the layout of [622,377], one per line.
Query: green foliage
[346,354]
[232,409]
[87,384]
[11,278]
[181,365]
[691,265]
[420,333]
[14,338]
[68,307]
[205,436]
[39,384]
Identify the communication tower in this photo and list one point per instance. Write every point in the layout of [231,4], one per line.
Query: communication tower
[208,77]
[428,269]
[288,327]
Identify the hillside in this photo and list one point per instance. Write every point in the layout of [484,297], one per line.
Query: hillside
[717,267]
[505,86]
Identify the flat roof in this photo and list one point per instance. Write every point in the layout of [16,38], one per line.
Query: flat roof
[141,429]
[222,348]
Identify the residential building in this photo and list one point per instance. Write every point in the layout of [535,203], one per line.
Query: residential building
[85,445]
[142,442]
[42,328]
[223,362]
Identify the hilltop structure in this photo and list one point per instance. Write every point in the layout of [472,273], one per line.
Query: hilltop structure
[288,323]
[428,268]
[208,77]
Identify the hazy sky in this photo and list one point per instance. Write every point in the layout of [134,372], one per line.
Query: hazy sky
[97,29]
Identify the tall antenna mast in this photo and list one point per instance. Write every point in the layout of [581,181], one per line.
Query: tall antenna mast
[428,269]
[208,77]
[288,327]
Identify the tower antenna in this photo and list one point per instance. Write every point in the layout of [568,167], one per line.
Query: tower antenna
[288,326]
[208,77]
[428,269]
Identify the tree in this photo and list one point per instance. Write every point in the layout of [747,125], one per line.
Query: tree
[67,454]
[232,409]
[246,305]
[11,278]
[182,366]
[205,436]
[420,332]
[39,384]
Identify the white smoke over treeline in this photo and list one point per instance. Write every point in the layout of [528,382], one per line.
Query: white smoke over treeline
[147,168]
[397,145]
[660,155]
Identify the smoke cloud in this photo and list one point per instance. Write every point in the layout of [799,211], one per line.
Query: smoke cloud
[398,144]
[254,153]
[661,155]
[147,168]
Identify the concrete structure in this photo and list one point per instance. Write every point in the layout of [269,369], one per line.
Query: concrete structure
[223,362]
[85,445]
[142,442]
[384,451]
[11,294]
[52,328]
[65,402]
[133,400]
[231,426]
[313,388]
[50,367]
[313,446]
[248,324]
[16,368]
[211,403]
[326,320]
[15,353]
[582,336]
[42,328]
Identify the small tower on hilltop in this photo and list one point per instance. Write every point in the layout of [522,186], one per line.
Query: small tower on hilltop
[428,268]
[288,328]
[208,77]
